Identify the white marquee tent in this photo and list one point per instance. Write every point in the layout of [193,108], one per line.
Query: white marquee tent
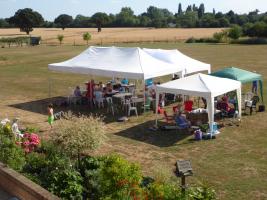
[179,59]
[203,86]
[132,63]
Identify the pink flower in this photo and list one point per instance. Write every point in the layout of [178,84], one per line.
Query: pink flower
[26,143]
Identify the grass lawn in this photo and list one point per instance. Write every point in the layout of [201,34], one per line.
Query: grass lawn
[235,164]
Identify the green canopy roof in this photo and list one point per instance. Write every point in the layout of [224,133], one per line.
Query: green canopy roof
[237,74]
[241,75]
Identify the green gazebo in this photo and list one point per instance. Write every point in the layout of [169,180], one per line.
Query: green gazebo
[240,75]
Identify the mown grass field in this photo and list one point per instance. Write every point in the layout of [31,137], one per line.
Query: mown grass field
[113,35]
[235,163]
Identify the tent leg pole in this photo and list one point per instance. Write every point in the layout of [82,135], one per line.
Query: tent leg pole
[49,87]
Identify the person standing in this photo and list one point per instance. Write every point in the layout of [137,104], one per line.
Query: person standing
[90,91]
[254,87]
[50,112]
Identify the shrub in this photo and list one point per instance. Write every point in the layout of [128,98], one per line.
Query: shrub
[250,41]
[117,174]
[190,40]
[6,131]
[164,191]
[87,36]
[202,192]
[11,154]
[67,184]
[235,32]
[77,134]
[30,142]
[31,130]
[220,36]
[89,169]
[60,38]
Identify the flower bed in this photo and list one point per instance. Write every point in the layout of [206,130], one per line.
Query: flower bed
[69,175]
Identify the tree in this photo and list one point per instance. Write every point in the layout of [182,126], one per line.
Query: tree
[126,17]
[60,38]
[100,19]
[224,22]
[201,10]
[180,10]
[188,20]
[77,134]
[4,23]
[26,19]
[195,8]
[86,37]
[213,12]
[189,8]
[235,32]
[63,20]
[81,21]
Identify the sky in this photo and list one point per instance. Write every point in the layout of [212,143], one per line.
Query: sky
[50,9]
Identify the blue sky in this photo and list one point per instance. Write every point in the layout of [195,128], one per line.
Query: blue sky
[52,8]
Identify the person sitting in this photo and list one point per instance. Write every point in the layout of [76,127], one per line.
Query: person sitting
[77,92]
[124,81]
[15,129]
[225,106]
[181,121]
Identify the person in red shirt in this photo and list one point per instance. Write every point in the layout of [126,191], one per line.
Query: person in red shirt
[90,91]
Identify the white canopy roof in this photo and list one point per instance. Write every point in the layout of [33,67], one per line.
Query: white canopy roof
[199,85]
[133,63]
[179,59]
[203,86]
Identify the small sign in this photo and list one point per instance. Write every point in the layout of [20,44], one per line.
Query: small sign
[184,168]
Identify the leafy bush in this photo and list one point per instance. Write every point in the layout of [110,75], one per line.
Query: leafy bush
[60,38]
[77,134]
[164,191]
[31,130]
[118,174]
[235,32]
[250,41]
[6,131]
[202,40]
[87,36]
[11,154]
[190,40]
[220,36]
[67,184]
[30,142]
[18,41]
[202,192]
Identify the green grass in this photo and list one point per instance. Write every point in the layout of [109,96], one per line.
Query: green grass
[235,164]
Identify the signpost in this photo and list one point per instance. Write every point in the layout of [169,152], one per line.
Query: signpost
[184,169]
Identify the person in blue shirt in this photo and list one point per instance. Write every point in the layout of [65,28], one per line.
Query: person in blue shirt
[255,87]
[125,81]
[181,121]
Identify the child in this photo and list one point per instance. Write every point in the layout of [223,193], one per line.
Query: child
[50,114]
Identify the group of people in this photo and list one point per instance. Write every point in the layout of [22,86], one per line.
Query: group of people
[97,90]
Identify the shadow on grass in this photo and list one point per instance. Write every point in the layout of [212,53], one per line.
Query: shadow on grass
[40,107]
[159,138]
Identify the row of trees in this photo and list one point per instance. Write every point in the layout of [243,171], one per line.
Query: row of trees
[192,16]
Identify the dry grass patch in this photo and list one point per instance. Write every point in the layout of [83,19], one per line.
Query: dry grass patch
[113,35]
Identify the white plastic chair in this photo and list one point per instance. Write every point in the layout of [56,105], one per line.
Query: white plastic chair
[130,107]
[110,107]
